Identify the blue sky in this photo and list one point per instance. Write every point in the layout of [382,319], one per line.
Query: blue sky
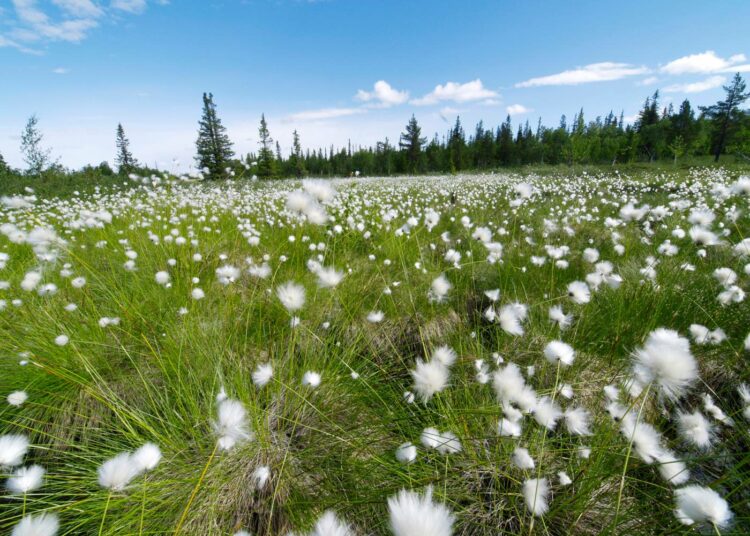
[339,70]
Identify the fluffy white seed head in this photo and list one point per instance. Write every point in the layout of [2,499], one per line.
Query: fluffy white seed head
[412,514]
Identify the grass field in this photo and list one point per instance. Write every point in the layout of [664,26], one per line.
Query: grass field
[293,348]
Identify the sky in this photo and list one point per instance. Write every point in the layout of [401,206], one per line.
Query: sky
[344,70]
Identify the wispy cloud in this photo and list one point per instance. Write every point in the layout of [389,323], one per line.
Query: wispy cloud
[61,70]
[324,113]
[705,63]
[69,21]
[456,92]
[594,72]
[518,109]
[697,87]
[383,95]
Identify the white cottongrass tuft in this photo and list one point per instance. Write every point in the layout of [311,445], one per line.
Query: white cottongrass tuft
[511,316]
[695,428]
[559,352]
[260,476]
[536,495]
[13,448]
[646,439]
[577,421]
[665,359]
[37,525]
[671,469]
[406,452]
[17,398]
[62,340]
[329,277]
[117,472]
[262,374]
[26,479]
[162,278]
[147,457]
[547,413]
[564,479]
[311,379]
[445,355]
[439,289]
[412,514]
[443,442]
[291,295]
[330,525]
[231,424]
[579,292]
[429,378]
[557,316]
[522,459]
[698,504]
[375,317]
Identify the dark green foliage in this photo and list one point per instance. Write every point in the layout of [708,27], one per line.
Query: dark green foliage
[726,115]
[37,158]
[266,160]
[125,162]
[411,144]
[213,145]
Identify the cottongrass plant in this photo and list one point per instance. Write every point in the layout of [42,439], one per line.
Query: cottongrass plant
[547,352]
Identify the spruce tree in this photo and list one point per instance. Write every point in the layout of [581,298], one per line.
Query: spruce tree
[726,114]
[124,159]
[213,145]
[36,157]
[4,167]
[411,142]
[266,163]
[296,160]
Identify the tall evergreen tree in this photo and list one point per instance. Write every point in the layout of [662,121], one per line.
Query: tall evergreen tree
[296,160]
[411,142]
[124,159]
[36,157]
[726,114]
[213,145]
[266,163]
[4,167]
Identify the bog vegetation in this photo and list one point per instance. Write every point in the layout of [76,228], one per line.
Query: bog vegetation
[470,354]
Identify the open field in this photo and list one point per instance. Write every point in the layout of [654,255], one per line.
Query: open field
[542,353]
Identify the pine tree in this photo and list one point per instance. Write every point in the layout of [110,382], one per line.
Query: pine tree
[726,114]
[213,145]
[411,142]
[4,167]
[266,163]
[36,157]
[296,161]
[124,159]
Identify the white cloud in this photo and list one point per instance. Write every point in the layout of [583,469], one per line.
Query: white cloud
[453,91]
[696,87]
[383,95]
[518,109]
[79,8]
[33,23]
[705,62]
[61,70]
[323,114]
[131,6]
[448,112]
[649,81]
[594,72]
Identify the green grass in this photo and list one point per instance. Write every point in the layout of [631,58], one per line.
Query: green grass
[156,375]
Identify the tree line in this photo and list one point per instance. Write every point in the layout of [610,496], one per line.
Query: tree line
[659,133]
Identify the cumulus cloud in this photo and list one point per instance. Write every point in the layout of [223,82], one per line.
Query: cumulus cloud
[696,87]
[594,72]
[705,62]
[383,95]
[518,109]
[455,92]
[323,114]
